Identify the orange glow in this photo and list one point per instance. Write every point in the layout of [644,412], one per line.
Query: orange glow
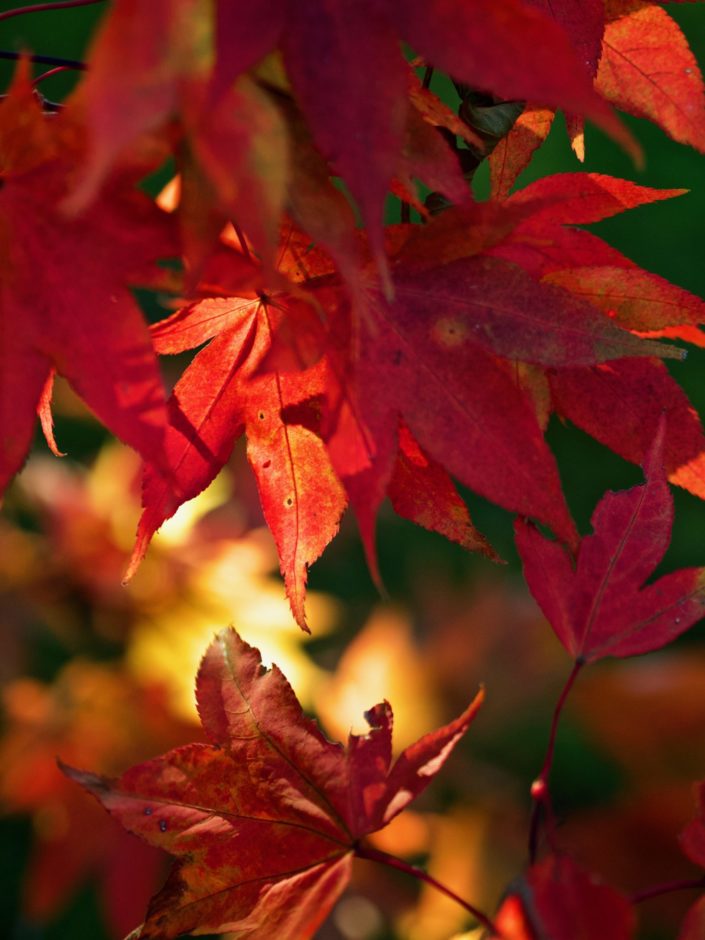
[382,662]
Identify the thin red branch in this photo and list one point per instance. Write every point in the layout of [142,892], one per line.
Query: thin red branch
[244,247]
[668,887]
[540,792]
[42,7]
[55,71]
[374,855]
[44,60]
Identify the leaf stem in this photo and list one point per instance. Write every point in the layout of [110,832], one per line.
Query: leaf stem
[44,59]
[55,71]
[686,884]
[42,7]
[374,855]
[244,247]
[540,792]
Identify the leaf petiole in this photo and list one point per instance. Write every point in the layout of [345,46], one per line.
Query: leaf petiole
[44,60]
[668,887]
[44,7]
[391,861]
[540,792]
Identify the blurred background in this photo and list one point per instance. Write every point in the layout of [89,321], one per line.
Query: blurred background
[101,675]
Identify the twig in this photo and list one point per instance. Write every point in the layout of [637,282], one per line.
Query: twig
[42,7]
[55,71]
[374,855]
[244,247]
[44,59]
[539,789]
[667,887]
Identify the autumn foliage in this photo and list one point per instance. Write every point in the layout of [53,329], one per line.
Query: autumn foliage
[289,185]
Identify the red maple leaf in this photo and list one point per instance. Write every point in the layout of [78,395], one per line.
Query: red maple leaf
[584,21]
[636,299]
[692,841]
[255,377]
[692,838]
[65,302]
[266,819]
[648,69]
[514,151]
[647,394]
[601,607]
[693,925]
[355,104]
[223,395]
[356,108]
[342,373]
[557,899]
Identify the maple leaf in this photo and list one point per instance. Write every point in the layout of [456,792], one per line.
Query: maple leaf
[460,403]
[601,607]
[232,150]
[641,301]
[692,840]
[59,312]
[442,376]
[490,47]
[501,307]
[514,152]
[357,113]
[635,298]
[583,198]
[557,899]
[693,924]
[421,490]
[266,819]
[219,398]
[263,374]
[539,239]
[584,21]
[648,69]
[646,392]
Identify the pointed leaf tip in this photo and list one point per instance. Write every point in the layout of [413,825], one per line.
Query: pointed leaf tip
[602,608]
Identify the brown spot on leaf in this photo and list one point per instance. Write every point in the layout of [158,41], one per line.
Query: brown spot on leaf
[449,332]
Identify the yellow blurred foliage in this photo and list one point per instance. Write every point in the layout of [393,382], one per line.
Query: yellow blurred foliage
[382,662]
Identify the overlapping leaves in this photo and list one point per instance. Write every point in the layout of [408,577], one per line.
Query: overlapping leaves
[58,314]
[351,386]
[331,388]
[354,94]
[642,64]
